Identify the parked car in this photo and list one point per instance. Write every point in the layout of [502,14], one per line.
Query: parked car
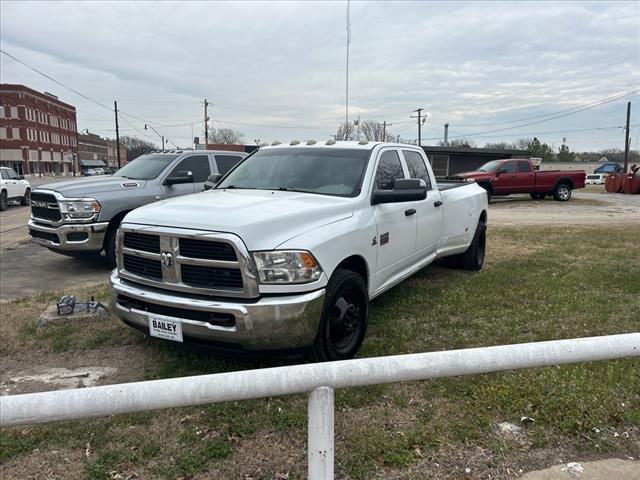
[287,250]
[82,216]
[13,187]
[89,172]
[595,179]
[505,177]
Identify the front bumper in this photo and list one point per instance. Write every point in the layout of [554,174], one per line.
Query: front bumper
[270,323]
[70,237]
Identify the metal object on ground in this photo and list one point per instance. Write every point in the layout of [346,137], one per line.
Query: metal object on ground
[631,183]
[66,305]
[613,182]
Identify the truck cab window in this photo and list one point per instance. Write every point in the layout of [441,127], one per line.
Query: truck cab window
[508,167]
[389,169]
[524,167]
[226,162]
[197,164]
[416,166]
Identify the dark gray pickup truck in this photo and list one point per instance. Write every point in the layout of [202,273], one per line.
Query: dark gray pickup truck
[82,216]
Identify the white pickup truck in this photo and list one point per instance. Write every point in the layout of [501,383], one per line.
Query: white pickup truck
[291,245]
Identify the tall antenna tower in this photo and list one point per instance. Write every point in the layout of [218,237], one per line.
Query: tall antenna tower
[346,114]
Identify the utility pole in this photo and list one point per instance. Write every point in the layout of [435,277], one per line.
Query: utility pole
[346,114]
[626,139]
[206,125]
[420,121]
[384,130]
[115,106]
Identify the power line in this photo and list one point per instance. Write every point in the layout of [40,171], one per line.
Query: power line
[525,134]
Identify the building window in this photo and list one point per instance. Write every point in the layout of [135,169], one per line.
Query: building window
[16,133]
[14,112]
[3,133]
[439,165]
[1,112]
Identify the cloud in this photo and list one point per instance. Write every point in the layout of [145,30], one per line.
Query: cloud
[282,64]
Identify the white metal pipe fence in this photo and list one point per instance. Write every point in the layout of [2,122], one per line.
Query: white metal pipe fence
[318,379]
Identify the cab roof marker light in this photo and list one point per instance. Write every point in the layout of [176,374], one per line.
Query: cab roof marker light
[275,142]
[311,142]
[363,142]
[294,142]
[330,142]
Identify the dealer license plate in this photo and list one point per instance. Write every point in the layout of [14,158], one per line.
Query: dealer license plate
[166,329]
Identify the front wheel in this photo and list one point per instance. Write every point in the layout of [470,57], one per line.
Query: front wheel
[26,198]
[344,317]
[562,193]
[4,201]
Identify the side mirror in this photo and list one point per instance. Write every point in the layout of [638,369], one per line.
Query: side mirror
[212,180]
[404,190]
[180,177]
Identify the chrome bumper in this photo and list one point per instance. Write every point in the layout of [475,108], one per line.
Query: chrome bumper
[93,242]
[272,323]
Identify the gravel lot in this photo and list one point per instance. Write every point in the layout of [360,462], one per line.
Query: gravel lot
[26,268]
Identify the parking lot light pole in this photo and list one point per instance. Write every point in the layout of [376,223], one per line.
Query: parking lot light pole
[147,126]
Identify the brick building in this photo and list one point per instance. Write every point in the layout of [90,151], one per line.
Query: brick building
[38,132]
[97,152]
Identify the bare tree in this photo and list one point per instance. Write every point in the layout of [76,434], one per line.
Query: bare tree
[374,132]
[136,147]
[225,136]
[459,142]
[346,131]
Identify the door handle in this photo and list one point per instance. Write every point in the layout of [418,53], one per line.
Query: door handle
[410,212]
[437,204]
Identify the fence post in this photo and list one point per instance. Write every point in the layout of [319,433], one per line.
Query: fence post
[320,434]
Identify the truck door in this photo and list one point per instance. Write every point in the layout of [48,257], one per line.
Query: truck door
[505,178]
[396,239]
[198,165]
[14,186]
[525,177]
[428,211]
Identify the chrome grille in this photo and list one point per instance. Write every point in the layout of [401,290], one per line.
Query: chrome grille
[44,206]
[190,261]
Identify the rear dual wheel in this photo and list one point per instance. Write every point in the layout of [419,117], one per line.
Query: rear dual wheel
[473,258]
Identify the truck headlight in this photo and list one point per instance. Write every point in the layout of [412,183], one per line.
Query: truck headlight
[281,266]
[79,209]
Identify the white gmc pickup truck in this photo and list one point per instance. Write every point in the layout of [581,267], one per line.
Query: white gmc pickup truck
[291,245]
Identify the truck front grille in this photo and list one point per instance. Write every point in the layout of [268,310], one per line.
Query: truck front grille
[212,277]
[142,241]
[184,260]
[207,250]
[44,206]
[144,267]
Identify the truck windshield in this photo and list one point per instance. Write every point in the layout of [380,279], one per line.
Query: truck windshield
[490,166]
[326,171]
[145,167]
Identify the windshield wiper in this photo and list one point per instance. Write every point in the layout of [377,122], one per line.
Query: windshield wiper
[291,189]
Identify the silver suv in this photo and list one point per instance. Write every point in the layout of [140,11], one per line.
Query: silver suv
[82,216]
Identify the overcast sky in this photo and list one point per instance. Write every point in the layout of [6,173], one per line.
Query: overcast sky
[276,70]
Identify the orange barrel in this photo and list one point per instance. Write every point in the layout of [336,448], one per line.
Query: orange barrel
[631,183]
[613,182]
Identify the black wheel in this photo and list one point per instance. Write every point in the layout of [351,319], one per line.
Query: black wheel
[473,258]
[562,192]
[538,196]
[4,201]
[26,199]
[110,245]
[344,317]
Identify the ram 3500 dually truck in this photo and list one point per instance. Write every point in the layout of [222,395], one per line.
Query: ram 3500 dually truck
[82,216]
[288,248]
[504,177]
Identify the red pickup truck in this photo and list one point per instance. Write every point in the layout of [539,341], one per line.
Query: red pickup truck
[504,177]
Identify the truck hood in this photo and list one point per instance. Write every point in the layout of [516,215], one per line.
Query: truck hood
[476,174]
[263,219]
[91,186]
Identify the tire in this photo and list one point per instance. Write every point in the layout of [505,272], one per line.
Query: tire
[26,199]
[562,193]
[344,317]
[4,201]
[110,245]
[488,189]
[473,258]
[538,196]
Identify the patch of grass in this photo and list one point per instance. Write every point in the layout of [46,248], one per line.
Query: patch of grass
[538,284]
